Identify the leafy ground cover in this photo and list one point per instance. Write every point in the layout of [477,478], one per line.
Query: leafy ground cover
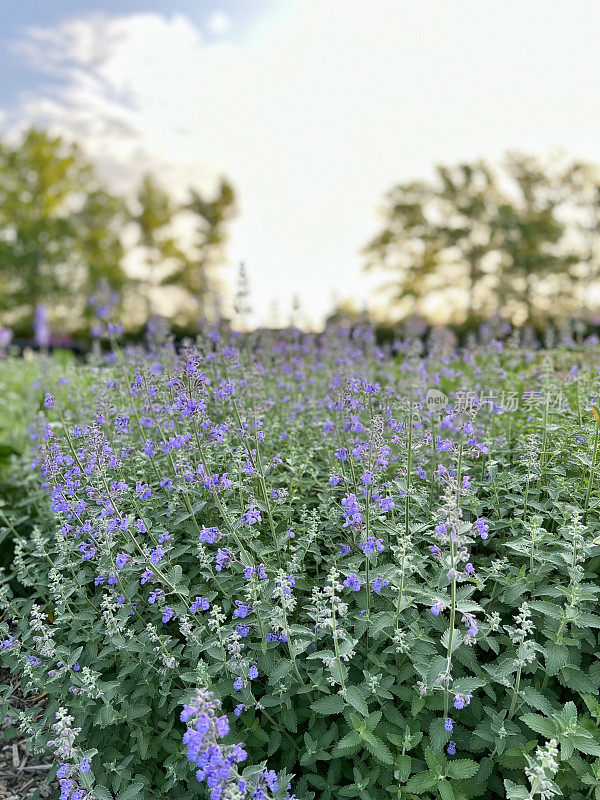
[311,567]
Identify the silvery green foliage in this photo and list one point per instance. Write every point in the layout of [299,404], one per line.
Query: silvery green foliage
[376,598]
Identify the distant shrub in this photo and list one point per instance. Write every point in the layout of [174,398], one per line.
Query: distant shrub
[344,588]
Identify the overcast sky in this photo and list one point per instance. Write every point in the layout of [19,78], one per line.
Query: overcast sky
[313,108]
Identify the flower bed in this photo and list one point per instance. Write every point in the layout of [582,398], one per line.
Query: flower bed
[350,589]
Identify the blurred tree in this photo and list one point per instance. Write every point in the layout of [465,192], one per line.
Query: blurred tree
[483,240]
[59,228]
[154,217]
[194,270]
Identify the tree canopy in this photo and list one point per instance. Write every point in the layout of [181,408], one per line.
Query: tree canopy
[62,233]
[521,240]
[59,227]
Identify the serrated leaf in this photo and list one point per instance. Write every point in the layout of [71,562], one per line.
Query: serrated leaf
[421,783]
[330,704]
[432,762]
[462,768]
[355,698]
[403,765]
[537,700]
[376,747]
[539,724]
[381,621]
[515,791]
[445,790]
[438,735]
[585,620]
[556,657]
[587,746]
[350,741]
[131,792]
[279,671]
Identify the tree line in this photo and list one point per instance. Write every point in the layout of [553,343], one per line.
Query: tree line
[519,240]
[62,233]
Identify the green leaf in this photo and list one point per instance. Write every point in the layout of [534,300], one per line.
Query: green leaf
[542,725]
[537,700]
[569,712]
[438,735]
[432,762]
[403,765]
[331,704]
[462,768]
[377,748]
[102,793]
[381,621]
[131,792]
[351,741]
[355,697]
[587,746]
[135,711]
[445,790]
[515,791]
[279,671]
[556,657]
[585,620]
[421,783]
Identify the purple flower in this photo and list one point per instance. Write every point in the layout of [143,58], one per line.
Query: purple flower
[378,584]
[372,545]
[242,610]
[351,511]
[462,700]
[85,765]
[352,582]
[251,517]
[448,724]
[253,672]
[156,554]
[168,614]
[451,748]
[48,400]
[121,560]
[223,558]
[147,575]
[200,603]
[143,490]
[482,527]
[260,571]
[209,535]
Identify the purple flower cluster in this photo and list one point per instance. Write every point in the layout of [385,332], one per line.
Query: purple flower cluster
[351,511]
[352,582]
[372,545]
[217,763]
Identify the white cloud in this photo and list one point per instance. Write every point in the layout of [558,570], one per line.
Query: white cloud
[319,112]
[219,23]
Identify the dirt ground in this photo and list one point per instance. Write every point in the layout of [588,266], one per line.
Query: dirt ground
[22,776]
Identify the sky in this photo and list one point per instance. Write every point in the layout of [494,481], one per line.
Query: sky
[312,108]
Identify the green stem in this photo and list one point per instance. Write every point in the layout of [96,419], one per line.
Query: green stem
[591,475]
